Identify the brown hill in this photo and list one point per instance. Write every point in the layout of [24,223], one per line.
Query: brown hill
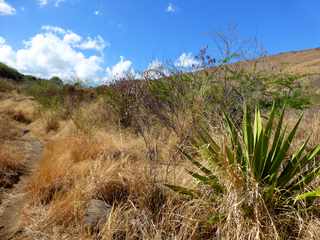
[305,61]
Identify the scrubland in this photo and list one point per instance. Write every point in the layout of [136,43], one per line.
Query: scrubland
[172,156]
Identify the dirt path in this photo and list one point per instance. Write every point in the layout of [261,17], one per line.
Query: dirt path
[15,198]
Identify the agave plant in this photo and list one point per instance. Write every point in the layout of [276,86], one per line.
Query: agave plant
[262,152]
[266,156]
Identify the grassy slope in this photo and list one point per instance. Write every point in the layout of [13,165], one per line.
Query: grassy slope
[306,61]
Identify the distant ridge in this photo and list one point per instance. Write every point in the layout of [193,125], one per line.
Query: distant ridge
[303,61]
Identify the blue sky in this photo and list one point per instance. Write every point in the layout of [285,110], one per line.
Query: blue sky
[128,35]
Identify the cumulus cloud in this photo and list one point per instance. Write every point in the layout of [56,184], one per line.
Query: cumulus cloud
[171,8]
[120,70]
[96,43]
[59,52]
[7,54]
[56,52]
[186,60]
[6,8]
[72,38]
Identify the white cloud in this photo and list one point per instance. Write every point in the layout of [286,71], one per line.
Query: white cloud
[72,38]
[56,3]
[96,43]
[186,60]
[43,2]
[120,70]
[53,29]
[56,52]
[97,12]
[171,8]
[59,52]
[6,8]
[7,54]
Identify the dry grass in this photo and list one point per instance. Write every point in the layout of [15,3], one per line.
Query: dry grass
[142,208]
[115,166]
[20,116]
[6,85]
[11,160]
[110,167]
[52,122]
[88,156]
[11,166]
[8,131]
[312,230]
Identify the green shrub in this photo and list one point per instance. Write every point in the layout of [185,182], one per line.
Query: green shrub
[212,91]
[283,89]
[47,93]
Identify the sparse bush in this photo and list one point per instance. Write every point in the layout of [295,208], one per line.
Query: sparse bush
[74,97]
[180,99]
[122,96]
[173,100]
[47,93]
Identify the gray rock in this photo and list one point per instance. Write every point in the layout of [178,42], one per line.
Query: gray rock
[96,215]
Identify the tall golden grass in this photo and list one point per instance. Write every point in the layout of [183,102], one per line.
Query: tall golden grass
[93,158]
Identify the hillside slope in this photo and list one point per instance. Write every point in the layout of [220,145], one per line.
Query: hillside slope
[305,61]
